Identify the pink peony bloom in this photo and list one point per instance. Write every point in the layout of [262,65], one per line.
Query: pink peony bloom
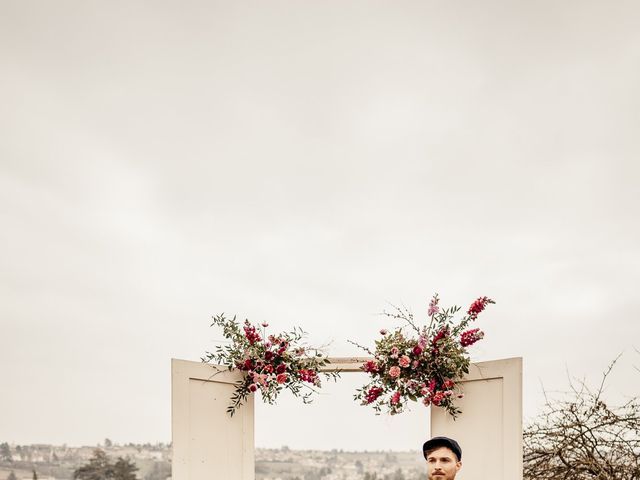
[394,371]
[404,361]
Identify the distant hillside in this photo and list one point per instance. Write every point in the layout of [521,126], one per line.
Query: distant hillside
[52,462]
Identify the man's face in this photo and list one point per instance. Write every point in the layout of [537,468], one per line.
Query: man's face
[442,464]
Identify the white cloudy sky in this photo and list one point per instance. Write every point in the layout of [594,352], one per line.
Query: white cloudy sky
[305,163]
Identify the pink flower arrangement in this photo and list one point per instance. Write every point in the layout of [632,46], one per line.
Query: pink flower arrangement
[269,366]
[426,366]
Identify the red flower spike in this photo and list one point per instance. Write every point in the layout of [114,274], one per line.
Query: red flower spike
[470,337]
[478,306]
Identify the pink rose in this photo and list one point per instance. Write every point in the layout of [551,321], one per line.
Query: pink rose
[394,371]
[437,398]
[404,361]
[282,378]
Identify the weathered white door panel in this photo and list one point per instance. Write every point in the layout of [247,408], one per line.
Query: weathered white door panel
[490,427]
[208,444]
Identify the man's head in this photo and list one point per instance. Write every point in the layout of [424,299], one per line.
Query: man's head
[444,458]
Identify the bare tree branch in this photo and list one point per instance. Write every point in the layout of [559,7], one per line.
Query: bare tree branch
[580,437]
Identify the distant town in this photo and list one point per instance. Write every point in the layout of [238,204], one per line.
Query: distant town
[153,462]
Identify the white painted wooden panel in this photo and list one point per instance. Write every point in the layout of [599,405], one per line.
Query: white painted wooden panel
[490,427]
[208,444]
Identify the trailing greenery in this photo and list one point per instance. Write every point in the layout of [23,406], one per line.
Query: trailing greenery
[270,363]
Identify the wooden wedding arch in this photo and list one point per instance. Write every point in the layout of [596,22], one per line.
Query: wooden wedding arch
[208,444]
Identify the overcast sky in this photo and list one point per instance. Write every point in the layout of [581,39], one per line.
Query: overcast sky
[305,163]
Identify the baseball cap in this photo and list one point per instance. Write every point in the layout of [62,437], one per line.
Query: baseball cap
[436,442]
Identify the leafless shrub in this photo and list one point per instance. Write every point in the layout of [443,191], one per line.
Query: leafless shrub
[581,437]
